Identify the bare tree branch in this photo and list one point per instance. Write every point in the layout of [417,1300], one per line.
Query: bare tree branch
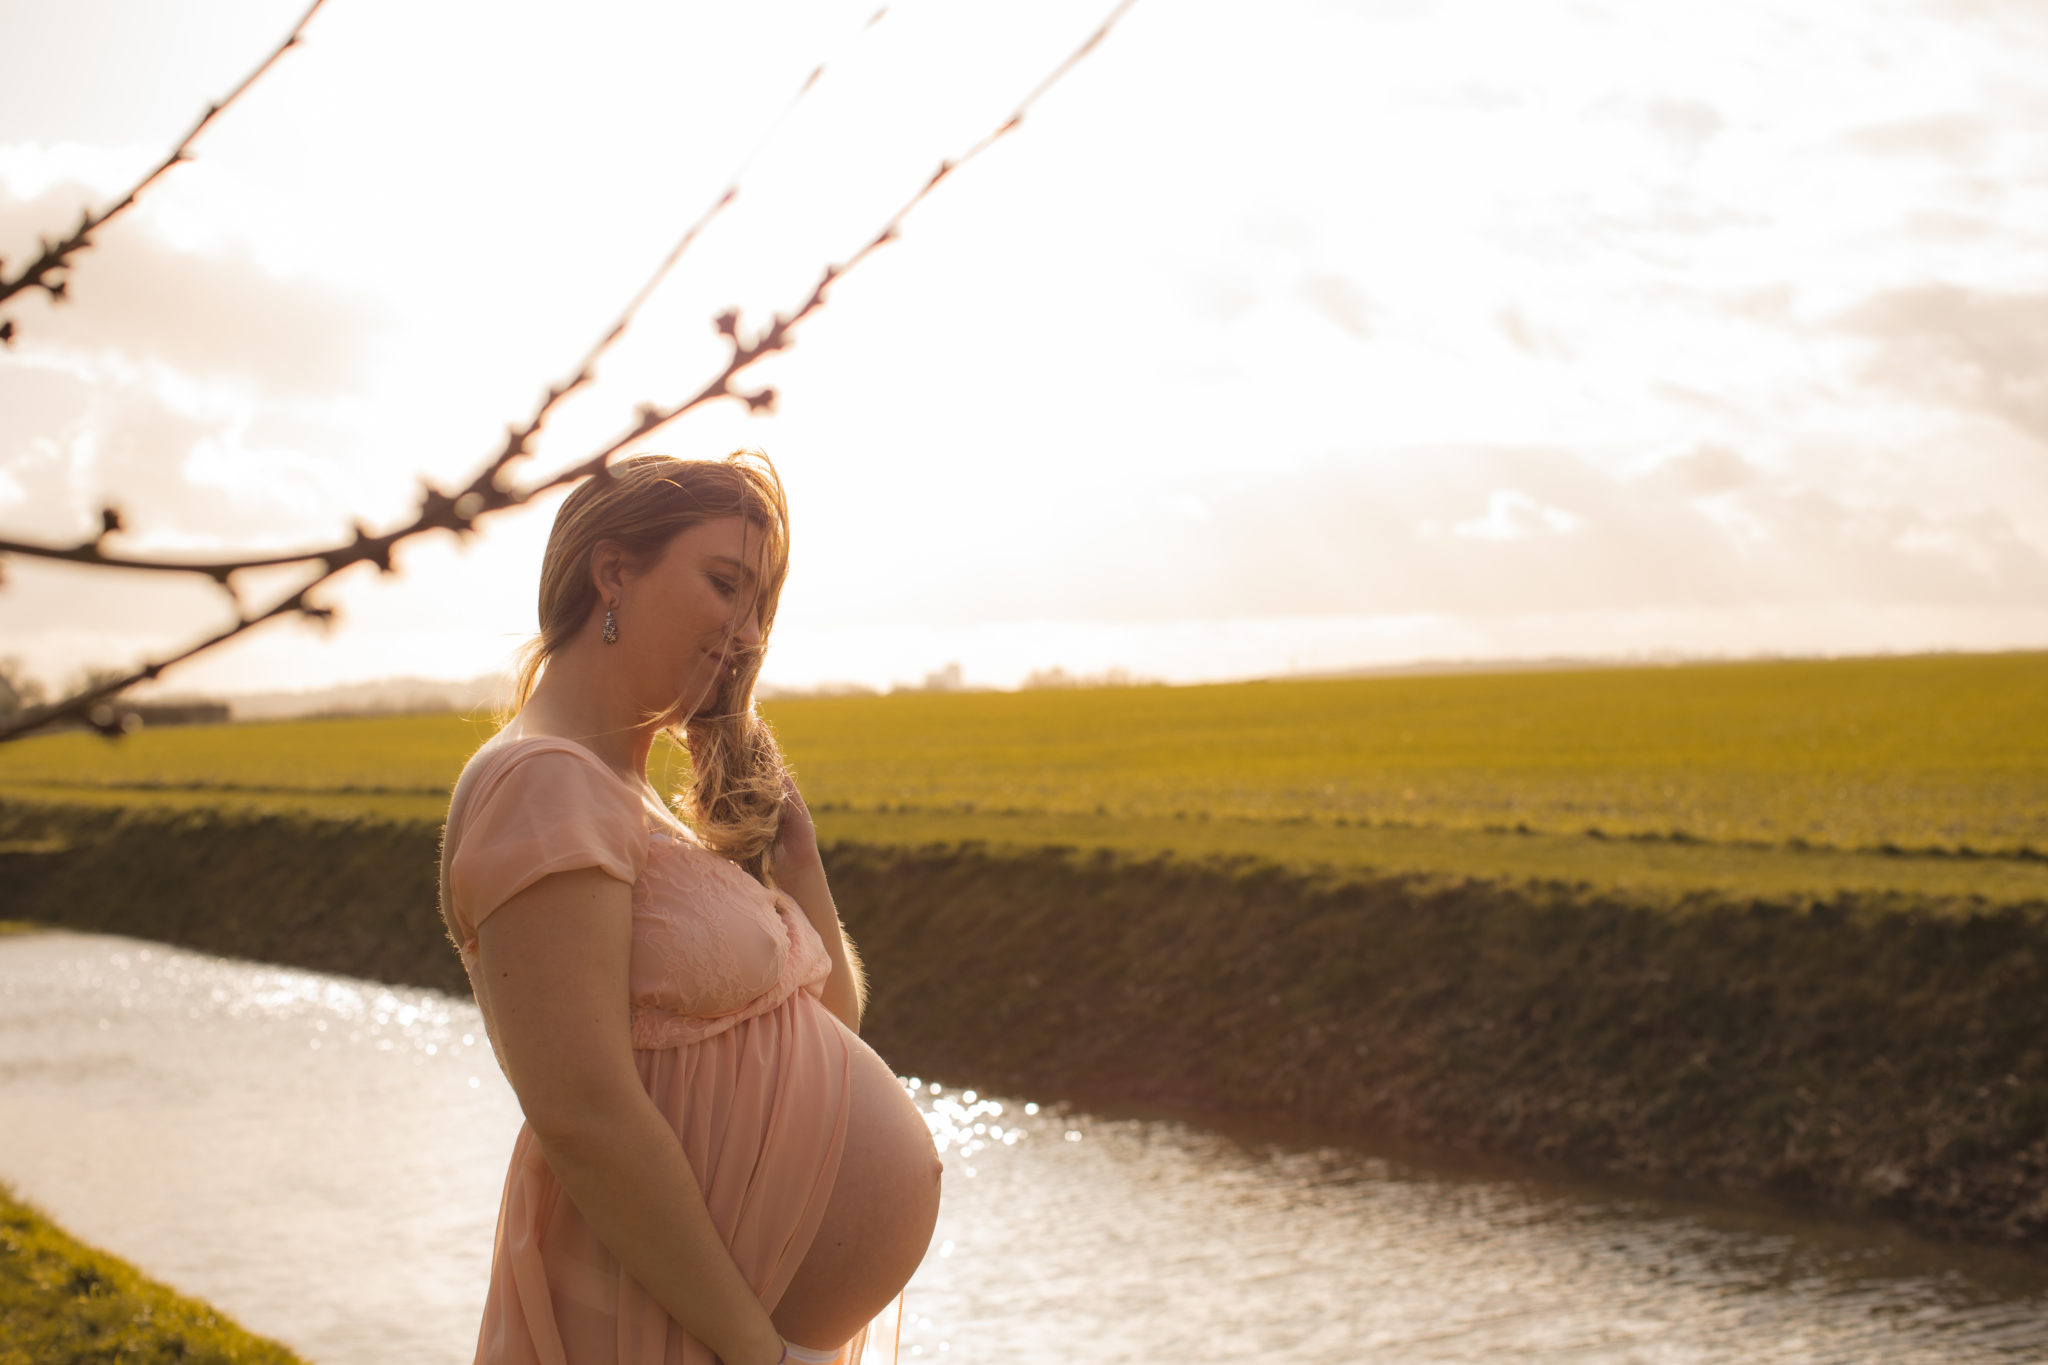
[438,510]
[488,491]
[42,272]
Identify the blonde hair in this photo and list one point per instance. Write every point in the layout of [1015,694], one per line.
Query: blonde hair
[734,799]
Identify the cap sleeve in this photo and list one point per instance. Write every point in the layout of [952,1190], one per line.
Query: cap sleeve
[541,812]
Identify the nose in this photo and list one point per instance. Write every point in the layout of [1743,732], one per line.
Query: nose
[747,633]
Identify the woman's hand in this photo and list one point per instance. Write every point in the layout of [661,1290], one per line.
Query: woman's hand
[796,840]
[801,872]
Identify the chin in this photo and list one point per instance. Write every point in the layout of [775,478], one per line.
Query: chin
[696,701]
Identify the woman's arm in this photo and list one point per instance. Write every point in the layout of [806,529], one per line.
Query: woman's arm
[553,965]
[801,872]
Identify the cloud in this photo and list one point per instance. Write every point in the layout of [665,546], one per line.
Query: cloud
[1476,96]
[205,397]
[1511,515]
[1970,349]
[77,439]
[1687,124]
[1527,336]
[1696,399]
[1706,470]
[1339,299]
[213,315]
[1683,126]
[1953,138]
[1476,531]
[1770,303]
[2020,22]
[1941,225]
[1222,294]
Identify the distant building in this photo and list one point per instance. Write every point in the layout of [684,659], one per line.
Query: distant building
[1049,677]
[141,715]
[777,692]
[1059,677]
[951,678]
[179,712]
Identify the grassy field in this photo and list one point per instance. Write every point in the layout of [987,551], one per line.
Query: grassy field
[1924,775]
[1918,752]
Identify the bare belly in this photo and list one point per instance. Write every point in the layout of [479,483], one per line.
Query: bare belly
[879,1218]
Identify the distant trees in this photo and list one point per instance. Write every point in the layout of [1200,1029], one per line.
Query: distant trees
[22,693]
[18,691]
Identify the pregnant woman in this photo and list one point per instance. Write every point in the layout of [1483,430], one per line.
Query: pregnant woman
[713,1165]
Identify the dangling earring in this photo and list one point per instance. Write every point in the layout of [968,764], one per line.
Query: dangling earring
[611,628]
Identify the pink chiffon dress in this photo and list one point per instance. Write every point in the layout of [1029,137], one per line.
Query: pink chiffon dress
[729,1032]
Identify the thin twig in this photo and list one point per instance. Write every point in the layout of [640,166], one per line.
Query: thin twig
[485,493]
[56,255]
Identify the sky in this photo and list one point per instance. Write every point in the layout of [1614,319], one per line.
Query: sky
[1280,338]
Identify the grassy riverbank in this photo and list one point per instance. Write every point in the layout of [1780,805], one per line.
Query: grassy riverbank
[63,1301]
[1884,1054]
[1880,1052]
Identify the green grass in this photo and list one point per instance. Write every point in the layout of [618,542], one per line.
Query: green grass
[1756,778]
[423,807]
[1941,751]
[1644,868]
[63,1301]
[360,758]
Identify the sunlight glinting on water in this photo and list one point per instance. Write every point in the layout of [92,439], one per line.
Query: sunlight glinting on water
[322,1158]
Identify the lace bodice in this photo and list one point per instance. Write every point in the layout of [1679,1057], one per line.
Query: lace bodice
[711,946]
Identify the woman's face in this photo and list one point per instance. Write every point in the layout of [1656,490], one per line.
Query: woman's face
[693,612]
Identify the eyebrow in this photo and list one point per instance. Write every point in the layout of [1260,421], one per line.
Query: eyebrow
[728,559]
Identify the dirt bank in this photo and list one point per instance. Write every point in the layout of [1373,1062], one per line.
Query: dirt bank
[1885,1055]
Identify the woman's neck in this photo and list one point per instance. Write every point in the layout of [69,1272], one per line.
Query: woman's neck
[575,700]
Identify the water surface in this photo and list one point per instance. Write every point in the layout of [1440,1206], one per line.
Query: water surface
[322,1157]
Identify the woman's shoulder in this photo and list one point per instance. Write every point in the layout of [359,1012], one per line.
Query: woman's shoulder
[545,769]
[527,807]
[549,763]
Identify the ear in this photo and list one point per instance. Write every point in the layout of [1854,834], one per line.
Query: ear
[608,571]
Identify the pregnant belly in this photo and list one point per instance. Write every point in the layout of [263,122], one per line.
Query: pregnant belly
[879,1218]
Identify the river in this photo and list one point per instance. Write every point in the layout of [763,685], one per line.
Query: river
[321,1157]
